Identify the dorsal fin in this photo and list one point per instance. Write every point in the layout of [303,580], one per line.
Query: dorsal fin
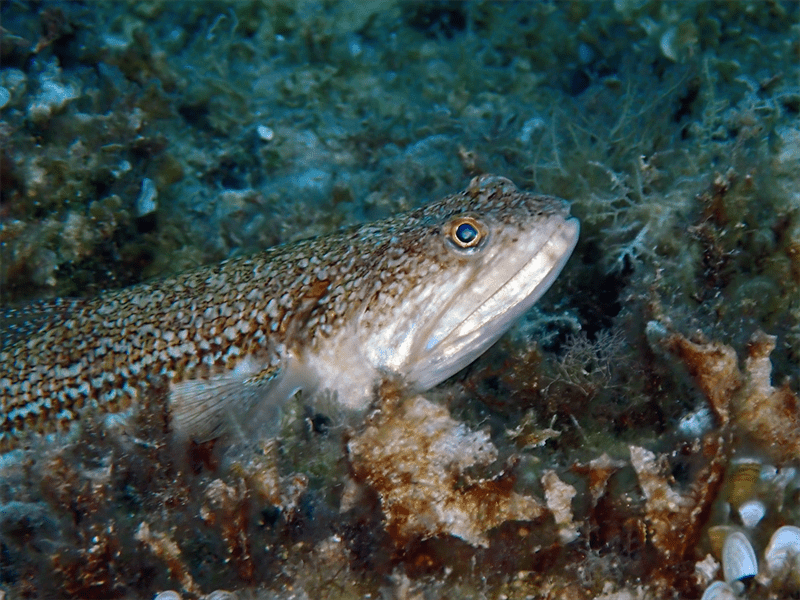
[18,322]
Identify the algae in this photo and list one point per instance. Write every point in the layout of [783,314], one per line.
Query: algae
[672,129]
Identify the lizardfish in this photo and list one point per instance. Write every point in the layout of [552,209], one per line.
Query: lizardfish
[415,297]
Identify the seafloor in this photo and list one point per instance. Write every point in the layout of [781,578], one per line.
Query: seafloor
[641,414]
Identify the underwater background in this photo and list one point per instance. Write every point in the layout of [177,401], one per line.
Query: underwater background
[649,401]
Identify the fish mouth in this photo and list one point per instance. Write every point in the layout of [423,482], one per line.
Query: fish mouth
[484,306]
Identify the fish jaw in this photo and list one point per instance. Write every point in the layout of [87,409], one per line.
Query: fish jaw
[448,350]
[462,302]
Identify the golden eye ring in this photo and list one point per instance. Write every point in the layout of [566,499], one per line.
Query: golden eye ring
[466,232]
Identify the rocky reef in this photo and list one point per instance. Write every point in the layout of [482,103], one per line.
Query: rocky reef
[635,436]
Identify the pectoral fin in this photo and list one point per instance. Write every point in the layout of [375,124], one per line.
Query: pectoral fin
[203,409]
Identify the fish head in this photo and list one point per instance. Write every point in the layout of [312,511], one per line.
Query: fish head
[456,274]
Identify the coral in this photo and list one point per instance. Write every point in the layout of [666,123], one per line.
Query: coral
[675,520]
[227,507]
[415,456]
[169,552]
[670,127]
[264,478]
[755,409]
[715,369]
[558,496]
[768,415]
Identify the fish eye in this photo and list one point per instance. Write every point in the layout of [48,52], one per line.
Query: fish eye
[466,232]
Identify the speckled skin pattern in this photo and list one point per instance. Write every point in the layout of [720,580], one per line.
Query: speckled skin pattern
[103,352]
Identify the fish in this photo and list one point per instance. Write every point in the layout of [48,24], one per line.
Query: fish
[413,298]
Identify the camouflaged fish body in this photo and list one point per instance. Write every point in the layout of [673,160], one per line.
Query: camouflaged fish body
[415,297]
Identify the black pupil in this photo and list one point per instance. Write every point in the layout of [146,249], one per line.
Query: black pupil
[466,233]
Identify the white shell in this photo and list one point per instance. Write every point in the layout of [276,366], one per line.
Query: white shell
[751,513]
[719,590]
[738,558]
[219,595]
[783,549]
[168,595]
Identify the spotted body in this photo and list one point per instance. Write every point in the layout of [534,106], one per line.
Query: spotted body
[415,297]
